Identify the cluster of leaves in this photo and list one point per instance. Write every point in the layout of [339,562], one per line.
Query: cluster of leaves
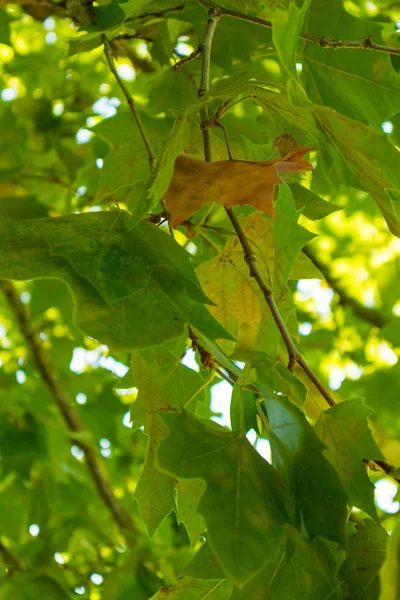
[126,269]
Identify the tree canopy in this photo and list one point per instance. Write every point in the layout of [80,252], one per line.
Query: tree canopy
[199,276]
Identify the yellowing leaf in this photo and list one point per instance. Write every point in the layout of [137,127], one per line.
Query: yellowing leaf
[228,182]
[236,297]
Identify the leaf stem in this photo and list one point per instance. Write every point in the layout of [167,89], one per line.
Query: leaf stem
[131,103]
[157,13]
[49,376]
[201,388]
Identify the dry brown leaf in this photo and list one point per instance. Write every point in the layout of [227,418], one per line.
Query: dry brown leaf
[285,143]
[228,182]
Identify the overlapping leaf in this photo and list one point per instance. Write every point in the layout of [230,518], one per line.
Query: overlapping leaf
[366,554]
[338,427]
[303,569]
[297,453]
[358,83]
[124,166]
[188,495]
[371,157]
[132,288]
[164,384]
[243,505]
[225,278]
[192,589]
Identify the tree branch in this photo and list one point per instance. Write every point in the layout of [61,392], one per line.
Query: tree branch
[322,41]
[131,103]
[250,257]
[48,373]
[294,354]
[156,13]
[371,315]
[12,563]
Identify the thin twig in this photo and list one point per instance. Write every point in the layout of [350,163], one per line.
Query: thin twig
[156,13]
[132,36]
[322,41]
[48,373]
[48,179]
[186,59]
[225,376]
[131,103]
[388,469]
[205,79]
[371,315]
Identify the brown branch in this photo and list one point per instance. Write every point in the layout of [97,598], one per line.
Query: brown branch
[371,315]
[12,563]
[131,103]
[48,373]
[42,3]
[49,179]
[294,354]
[322,41]
[251,259]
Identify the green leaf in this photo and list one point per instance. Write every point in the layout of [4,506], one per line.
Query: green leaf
[125,297]
[106,17]
[290,237]
[390,570]
[203,565]
[304,569]
[26,586]
[188,495]
[370,156]
[159,181]
[285,36]
[225,279]
[243,408]
[243,504]
[154,492]
[304,268]
[192,589]
[281,116]
[164,384]
[358,83]
[126,382]
[126,165]
[297,453]
[311,205]
[338,427]
[366,554]
[22,207]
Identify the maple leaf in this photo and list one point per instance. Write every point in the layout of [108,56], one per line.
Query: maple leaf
[228,182]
